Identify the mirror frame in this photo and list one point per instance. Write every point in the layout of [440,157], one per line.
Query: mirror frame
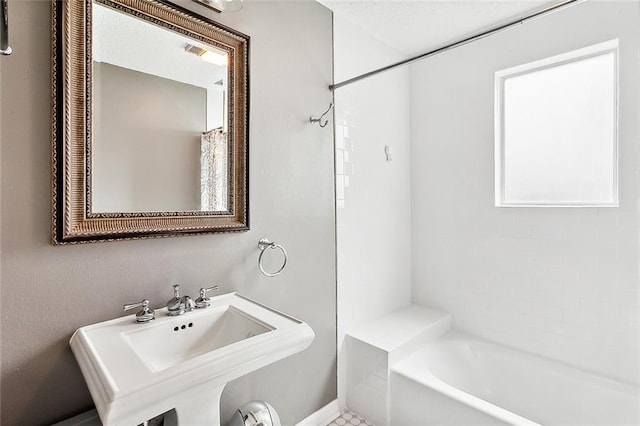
[72,219]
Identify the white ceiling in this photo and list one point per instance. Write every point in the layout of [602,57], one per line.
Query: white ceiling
[416,26]
[123,40]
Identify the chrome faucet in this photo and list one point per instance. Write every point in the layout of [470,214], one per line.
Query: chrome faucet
[176,305]
[189,305]
[179,305]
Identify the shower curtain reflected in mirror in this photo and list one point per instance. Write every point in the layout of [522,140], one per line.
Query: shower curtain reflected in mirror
[213,171]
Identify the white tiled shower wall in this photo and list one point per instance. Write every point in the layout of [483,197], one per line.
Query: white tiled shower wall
[560,282]
[372,194]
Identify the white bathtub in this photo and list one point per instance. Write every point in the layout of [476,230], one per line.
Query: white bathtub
[458,379]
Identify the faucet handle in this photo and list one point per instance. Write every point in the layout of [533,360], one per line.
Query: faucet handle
[145,314]
[203,301]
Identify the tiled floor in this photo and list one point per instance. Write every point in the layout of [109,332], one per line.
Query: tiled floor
[347,418]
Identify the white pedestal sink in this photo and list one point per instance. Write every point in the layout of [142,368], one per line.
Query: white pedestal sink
[136,371]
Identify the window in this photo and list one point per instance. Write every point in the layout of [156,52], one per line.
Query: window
[556,130]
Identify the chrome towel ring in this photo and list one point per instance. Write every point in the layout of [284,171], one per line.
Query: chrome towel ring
[263,244]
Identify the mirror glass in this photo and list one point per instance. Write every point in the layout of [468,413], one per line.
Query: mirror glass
[159,113]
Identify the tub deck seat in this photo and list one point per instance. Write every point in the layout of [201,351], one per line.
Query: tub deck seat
[373,347]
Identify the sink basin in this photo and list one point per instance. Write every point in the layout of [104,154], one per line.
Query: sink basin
[162,346]
[136,371]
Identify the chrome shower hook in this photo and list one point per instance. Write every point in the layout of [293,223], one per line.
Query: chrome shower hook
[263,245]
[313,120]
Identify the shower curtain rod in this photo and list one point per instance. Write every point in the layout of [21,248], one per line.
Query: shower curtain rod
[481,35]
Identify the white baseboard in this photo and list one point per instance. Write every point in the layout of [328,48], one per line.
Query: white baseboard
[323,416]
[90,418]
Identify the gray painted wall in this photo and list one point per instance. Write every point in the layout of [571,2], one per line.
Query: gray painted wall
[146,146]
[48,292]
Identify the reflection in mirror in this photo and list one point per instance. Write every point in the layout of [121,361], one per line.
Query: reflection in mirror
[159,142]
[150,122]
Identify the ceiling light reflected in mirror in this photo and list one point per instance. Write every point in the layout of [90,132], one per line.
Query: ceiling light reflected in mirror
[231,5]
[222,5]
[208,55]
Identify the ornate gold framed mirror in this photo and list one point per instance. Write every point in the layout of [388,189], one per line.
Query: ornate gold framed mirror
[150,122]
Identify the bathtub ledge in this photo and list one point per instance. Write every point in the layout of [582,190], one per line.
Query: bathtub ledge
[402,331]
[373,348]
